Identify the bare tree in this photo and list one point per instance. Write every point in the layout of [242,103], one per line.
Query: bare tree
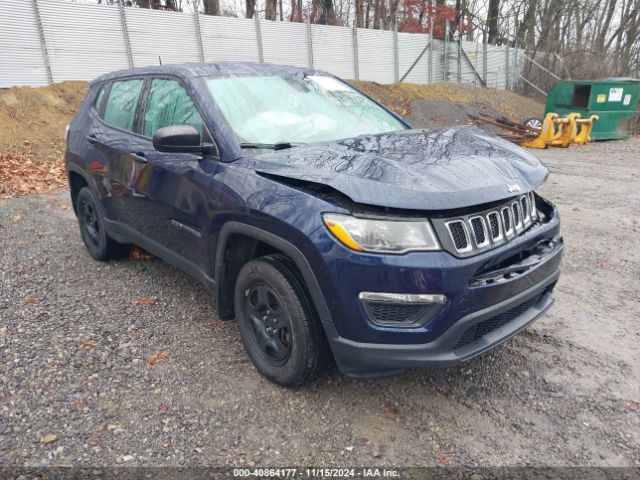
[270,10]
[250,8]
[492,20]
[211,7]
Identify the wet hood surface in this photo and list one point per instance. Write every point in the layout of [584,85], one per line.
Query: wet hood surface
[414,169]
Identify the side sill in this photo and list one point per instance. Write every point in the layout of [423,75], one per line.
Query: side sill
[125,234]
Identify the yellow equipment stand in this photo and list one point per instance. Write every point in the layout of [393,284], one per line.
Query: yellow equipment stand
[562,132]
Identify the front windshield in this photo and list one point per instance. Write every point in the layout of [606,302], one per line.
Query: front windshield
[296,109]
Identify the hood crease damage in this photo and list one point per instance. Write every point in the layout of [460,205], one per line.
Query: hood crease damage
[412,169]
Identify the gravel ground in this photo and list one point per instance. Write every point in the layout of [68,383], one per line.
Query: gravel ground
[77,386]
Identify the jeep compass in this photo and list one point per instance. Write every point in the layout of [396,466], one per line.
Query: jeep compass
[318,219]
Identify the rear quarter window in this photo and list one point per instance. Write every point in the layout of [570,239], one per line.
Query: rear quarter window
[97,103]
[120,110]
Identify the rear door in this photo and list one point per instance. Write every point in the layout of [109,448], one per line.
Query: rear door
[177,212]
[119,152]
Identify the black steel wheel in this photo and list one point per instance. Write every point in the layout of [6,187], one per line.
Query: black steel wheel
[270,328]
[277,322]
[95,238]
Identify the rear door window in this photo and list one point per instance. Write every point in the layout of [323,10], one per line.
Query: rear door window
[120,110]
[168,103]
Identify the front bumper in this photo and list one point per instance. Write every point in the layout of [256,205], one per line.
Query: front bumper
[489,298]
[368,359]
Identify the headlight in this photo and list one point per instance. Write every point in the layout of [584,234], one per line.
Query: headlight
[381,236]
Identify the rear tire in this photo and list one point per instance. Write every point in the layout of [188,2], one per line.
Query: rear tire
[278,325]
[95,237]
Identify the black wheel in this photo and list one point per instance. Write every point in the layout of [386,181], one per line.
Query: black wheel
[533,122]
[98,243]
[277,322]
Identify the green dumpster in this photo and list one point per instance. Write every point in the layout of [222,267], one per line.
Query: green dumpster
[614,100]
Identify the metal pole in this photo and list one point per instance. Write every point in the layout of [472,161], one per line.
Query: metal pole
[484,57]
[541,67]
[430,48]
[258,38]
[475,62]
[196,19]
[309,43]
[515,64]
[459,60]
[506,60]
[415,62]
[43,42]
[533,85]
[125,32]
[396,55]
[445,66]
[356,65]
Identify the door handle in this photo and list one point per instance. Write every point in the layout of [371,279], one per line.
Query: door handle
[91,138]
[140,156]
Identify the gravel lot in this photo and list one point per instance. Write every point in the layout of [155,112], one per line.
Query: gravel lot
[77,386]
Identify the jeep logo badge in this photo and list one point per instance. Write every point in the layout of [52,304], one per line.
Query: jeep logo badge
[513,188]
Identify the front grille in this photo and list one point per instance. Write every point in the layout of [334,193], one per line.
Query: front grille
[470,234]
[459,235]
[479,330]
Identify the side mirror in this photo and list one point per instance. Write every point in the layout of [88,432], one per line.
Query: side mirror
[177,139]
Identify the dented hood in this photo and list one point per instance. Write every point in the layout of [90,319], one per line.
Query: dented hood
[414,169]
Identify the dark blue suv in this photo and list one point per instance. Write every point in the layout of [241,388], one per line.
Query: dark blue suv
[317,218]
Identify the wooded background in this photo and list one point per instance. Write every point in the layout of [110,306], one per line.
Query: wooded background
[572,38]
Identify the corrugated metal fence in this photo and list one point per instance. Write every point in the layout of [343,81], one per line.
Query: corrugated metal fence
[45,41]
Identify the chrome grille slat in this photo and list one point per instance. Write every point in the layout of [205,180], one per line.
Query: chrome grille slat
[459,235]
[532,202]
[517,216]
[486,229]
[480,233]
[495,227]
[507,221]
[526,215]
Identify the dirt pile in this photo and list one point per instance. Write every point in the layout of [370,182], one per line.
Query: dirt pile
[34,118]
[445,104]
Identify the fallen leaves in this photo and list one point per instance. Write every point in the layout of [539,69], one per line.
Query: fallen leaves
[16,219]
[20,174]
[390,409]
[137,253]
[87,344]
[145,302]
[49,438]
[158,357]
[31,301]
[443,459]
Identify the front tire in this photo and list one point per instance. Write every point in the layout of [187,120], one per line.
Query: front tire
[277,322]
[95,237]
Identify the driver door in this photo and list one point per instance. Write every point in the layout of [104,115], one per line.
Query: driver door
[177,215]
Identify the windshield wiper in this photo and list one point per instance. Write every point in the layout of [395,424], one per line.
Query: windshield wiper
[270,146]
